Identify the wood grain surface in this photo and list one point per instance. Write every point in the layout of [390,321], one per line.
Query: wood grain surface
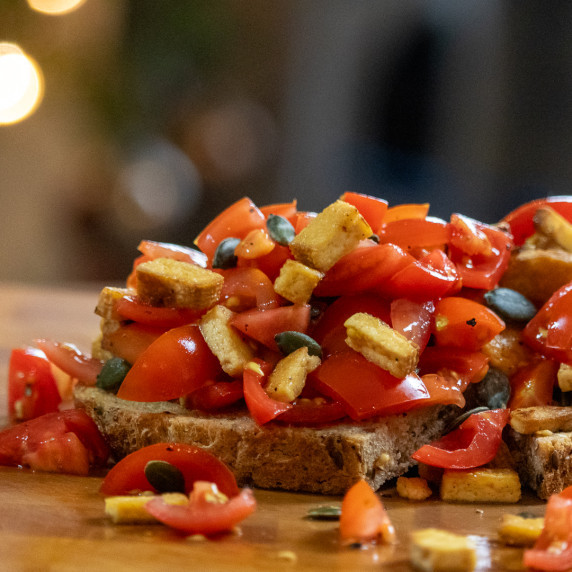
[57,523]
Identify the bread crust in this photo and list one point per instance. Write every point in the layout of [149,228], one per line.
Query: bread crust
[326,460]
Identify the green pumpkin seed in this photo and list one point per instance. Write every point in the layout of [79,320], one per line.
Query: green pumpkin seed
[493,391]
[224,256]
[289,342]
[164,477]
[375,238]
[510,304]
[280,229]
[112,374]
[325,513]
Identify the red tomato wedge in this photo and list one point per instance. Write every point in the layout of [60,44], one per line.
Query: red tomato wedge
[464,365]
[287,210]
[270,263]
[408,210]
[196,464]
[553,548]
[533,384]
[467,236]
[363,518]
[416,232]
[216,396]
[521,222]
[414,320]
[367,268]
[246,288]
[129,308]
[372,390]
[236,221]
[474,443]
[62,442]
[260,405]
[174,365]
[550,331]
[131,340]
[32,388]
[71,360]
[207,513]
[310,412]
[255,244]
[463,323]
[371,209]
[263,325]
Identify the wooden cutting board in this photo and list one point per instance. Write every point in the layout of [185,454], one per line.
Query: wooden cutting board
[57,522]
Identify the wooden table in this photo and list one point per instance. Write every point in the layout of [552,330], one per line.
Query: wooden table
[57,522]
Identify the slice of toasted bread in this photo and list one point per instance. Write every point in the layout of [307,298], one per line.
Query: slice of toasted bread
[325,460]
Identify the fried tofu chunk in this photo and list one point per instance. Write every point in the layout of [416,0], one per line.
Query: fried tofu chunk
[296,281]
[434,550]
[131,509]
[381,344]
[107,302]
[517,530]
[224,341]
[507,352]
[289,376]
[333,233]
[481,485]
[529,420]
[554,226]
[171,283]
[413,488]
[565,377]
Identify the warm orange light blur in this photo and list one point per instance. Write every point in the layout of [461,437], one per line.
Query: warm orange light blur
[55,7]
[21,84]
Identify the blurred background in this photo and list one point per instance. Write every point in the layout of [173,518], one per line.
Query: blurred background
[130,119]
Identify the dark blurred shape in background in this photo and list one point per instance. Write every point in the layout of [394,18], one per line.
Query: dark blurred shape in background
[143,119]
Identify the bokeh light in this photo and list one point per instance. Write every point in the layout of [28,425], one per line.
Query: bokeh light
[55,7]
[21,84]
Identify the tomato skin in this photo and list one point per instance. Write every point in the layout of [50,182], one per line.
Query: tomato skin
[553,548]
[213,397]
[521,222]
[463,323]
[201,515]
[405,211]
[261,406]
[367,268]
[371,209]
[550,331]
[246,288]
[533,384]
[180,356]
[32,388]
[131,340]
[465,365]
[263,325]
[130,308]
[270,263]
[414,320]
[287,210]
[372,391]
[312,412]
[363,518]
[468,237]
[65,442]
[235,221]
[415,232]
[196,464]
[474,443]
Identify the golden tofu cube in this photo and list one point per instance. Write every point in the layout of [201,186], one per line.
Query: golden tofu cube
[333,233]
[131,509]
[107,302]
[553,225]
[381,344]
[434,550]
[413,488]
[297,281]
[289,376]
[176,284]
[520,531]
[224,341]
[565,377]
[481,485]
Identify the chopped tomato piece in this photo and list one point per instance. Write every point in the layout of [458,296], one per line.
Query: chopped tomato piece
[464,323]
[63,442]
[32,388]
[236,221]
[246,288]
[255,244]
[363,518]
[468,237]
[521,219]
[180,356]
[270,263]
[263,325]
[553,548]
[309,412]
[130,308]
[400,212]
[474,443]
[303,219]
[71,360]
[287,210]
[550,331]
[216,396]
[372,391]
[464,365]
[260,405]
[195,463]
[208,512]
[416,232]
[443,390]
[131,340]
[414,320]
[371,208]
[533,384]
